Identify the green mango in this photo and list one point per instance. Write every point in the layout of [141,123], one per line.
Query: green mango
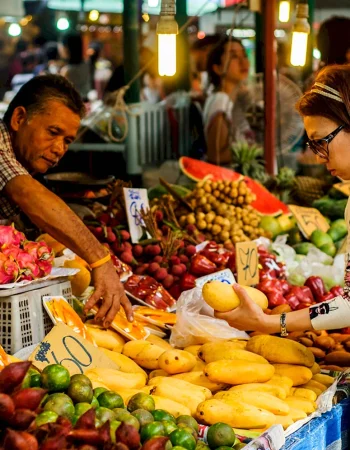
[303,248]
[329,249]
[320,238]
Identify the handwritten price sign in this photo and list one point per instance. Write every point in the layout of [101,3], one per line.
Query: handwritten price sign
[344,188]
[135,201]
[309,220]
[247,260]
[64,346]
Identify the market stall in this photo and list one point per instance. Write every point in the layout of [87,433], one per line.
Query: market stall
[177,374]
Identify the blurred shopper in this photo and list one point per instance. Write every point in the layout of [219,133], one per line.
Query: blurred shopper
[224,111]
[200,51]
[77,71]
[28,63]
[333,41]
[52,62]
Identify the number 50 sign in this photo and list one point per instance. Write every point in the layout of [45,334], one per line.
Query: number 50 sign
[247,261]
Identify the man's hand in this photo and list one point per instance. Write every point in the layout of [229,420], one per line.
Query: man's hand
[109,290]
[248,316]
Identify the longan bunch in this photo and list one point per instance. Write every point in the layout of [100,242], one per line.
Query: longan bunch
[223,212]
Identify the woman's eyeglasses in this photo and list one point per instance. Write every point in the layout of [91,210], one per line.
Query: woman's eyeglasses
[320,146]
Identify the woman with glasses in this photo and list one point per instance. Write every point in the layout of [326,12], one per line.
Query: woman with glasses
[326,113]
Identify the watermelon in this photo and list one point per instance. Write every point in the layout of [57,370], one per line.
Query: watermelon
[265,203]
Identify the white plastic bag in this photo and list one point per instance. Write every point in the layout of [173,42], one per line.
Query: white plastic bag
[196,324]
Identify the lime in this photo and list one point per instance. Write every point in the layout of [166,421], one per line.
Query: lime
[110,400]
[80,392]
[55,378]
[178,447]
[189,421]
[104,414]
[184,439]
[81,408]
[184,426]
[270,224]
[152,430]
[141,401]
[94,403]
[113,428]
[35,380]
[224,447]
[60,404]
[81,379]
[143,416]
[160,415]
[239,446]
[46,417]
[169,426]
[99,390]
[220,435]
[121,414]
[131,420]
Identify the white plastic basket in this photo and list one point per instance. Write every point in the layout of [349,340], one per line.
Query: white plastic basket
[23,319]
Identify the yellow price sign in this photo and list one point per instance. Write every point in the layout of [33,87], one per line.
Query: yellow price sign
[344,188]
[247,261]
[309,219]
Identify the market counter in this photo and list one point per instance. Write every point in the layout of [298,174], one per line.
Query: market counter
[331,431]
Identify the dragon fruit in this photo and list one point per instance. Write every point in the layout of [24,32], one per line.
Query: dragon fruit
[39,250]
[29,269]
[10,236]
[45,267]
[9,270]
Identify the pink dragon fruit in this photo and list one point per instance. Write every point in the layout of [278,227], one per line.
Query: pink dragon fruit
[10,236]
[39,250]
[11,251]
[29,269]
[9,270]
[45,267]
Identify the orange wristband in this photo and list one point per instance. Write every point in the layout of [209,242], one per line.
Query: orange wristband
[101,262]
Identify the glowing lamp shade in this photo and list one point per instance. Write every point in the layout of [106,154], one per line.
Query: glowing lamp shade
[284,11]
[167,55]
[299,49]
[62,24]
[94,15]
[14,30]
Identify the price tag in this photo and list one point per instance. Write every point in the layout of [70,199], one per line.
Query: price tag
[309,220]
[247,260]
[225,276]
[64,346]
[135,201]
[344,188]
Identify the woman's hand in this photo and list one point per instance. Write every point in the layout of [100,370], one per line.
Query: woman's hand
[110,291]
[248,316]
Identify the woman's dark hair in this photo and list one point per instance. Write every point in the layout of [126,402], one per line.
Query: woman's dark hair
[74,44]
[315,104]
[36,93]
[333,40]
[215,58]
[51,51]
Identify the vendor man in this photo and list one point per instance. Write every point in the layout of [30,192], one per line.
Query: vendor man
[40,123]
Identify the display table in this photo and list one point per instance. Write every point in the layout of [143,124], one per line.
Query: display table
[331,431]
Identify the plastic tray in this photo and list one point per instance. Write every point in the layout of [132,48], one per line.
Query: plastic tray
[23,319]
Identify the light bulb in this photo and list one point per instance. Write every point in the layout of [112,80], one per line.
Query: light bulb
[167,55]
[14,30]
[62,24]
[284,11]
[94,15]
[299,48]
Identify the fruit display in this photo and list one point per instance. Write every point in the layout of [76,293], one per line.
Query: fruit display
[223,212]
[21,259]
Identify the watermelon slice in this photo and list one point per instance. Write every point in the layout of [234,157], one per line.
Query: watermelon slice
[265,203]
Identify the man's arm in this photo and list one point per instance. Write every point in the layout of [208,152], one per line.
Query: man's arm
[51,214]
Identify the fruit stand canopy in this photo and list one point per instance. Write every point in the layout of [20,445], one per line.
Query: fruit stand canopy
[116,6]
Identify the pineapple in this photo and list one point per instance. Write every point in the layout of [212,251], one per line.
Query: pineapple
[249,160]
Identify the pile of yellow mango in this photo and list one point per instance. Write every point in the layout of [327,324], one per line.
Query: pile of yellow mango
[250,385]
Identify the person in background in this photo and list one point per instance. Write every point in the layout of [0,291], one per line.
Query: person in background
[100,68]
[15,64]
[333,41]
[77,70]
[224,111]
[28,62]
[325,109]
[52,62]
[200,51]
